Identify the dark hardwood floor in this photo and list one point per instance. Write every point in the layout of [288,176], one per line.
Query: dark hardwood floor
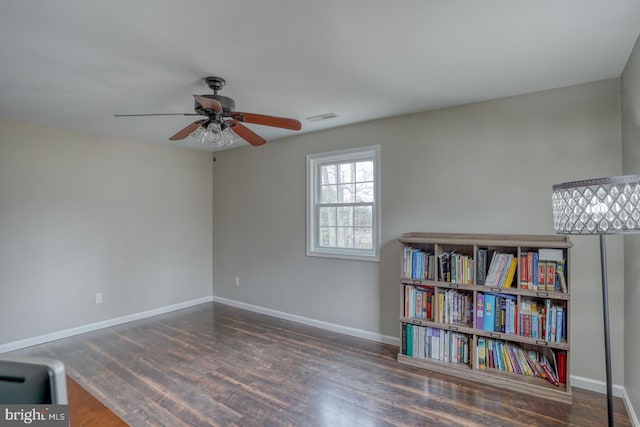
[218,365]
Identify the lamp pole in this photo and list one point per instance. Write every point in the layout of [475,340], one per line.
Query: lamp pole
[605,316]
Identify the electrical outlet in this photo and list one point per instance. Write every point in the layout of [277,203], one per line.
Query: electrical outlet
[237,281]
[98,298]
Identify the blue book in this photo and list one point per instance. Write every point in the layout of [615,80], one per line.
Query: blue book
[489,312]
[559,324]
[510,327]
[480,311]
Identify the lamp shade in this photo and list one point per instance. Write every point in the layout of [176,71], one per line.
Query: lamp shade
[597,206]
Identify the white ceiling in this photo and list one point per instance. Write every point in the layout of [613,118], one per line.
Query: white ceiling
[76,63]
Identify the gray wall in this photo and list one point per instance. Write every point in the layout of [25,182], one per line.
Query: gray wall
[479,168]
[81,214]
[631,165]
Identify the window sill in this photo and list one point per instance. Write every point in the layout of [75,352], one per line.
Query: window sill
[346,256]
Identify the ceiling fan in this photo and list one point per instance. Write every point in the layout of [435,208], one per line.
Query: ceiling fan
[221,118]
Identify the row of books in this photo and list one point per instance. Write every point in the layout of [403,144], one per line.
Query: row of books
[543,270]
[456,268]
[501,271]
[455,307]
[510,357]
[419,264]
[433,343]
[496,313]
[541,319]
[418,301]
[531,318]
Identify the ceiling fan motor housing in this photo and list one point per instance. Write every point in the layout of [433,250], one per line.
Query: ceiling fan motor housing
[228,104]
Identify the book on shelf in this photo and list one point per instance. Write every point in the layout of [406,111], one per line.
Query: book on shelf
[479,310]
[403,338]
[526,319]
[481,257]
[493,269]
[508,281]
[524,271]
[561,278]
[541,284]
[562,367]
[482,353]
[489,312]
[445,266]
[551,276]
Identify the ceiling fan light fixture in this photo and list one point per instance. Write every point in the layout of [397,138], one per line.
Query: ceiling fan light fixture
[213,135]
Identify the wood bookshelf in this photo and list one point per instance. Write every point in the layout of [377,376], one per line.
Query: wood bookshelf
[446,326]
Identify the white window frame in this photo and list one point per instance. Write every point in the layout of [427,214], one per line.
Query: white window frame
[314,162]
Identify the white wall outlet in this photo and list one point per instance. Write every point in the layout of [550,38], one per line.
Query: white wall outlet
[237,281]
[98,298]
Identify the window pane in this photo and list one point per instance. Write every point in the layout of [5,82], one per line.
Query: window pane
[328,194]
[345,215]
[364,171]
[364,192]
[328,237]
[327,216]
[346,193]
[363,216]
[328,174]
[363,238]
[345,237]
[346,172]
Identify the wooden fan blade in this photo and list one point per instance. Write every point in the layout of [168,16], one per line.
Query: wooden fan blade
[261,119]
[208,103]
[245,133]
[187,130]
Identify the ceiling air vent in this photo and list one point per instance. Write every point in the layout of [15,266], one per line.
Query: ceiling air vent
[325,116]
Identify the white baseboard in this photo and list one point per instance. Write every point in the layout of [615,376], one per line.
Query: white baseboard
[359,333]
[632,413]
[17,345]
[597,386]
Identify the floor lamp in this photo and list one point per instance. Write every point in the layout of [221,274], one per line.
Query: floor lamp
[599,206]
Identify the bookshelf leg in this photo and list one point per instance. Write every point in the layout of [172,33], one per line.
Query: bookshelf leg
[605,315]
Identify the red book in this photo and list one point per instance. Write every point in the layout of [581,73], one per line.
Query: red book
[527,325]
[523,271]
[551,276]
[562,367]
[550,377]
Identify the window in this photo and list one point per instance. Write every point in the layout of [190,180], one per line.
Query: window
[343,204]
